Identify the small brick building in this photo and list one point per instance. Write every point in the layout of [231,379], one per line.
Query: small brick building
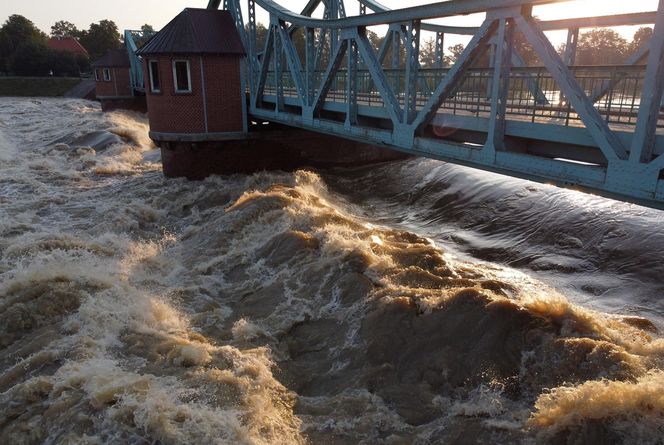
[193,85]
[112,77]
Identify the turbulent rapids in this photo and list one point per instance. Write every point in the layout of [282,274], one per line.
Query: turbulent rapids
[410,302]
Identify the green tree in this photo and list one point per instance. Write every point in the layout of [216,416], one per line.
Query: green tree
[64,28]
[17,31]
[602,46]
[100,37]
[147,29]
[31,58]
[428,53]
[525,50]
[456,52]
[63,63]
[641,37]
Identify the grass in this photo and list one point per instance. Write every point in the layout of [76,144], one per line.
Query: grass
[37,86]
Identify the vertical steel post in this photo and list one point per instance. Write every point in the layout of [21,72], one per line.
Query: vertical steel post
[310,62]
[278,74]
[643,141]
[440,50]
[341,9]
[334,33]
[412,68]
[396,49]
[351,84]
[492,65]
[253,58]
[571,46]
[570,53]
[500,88]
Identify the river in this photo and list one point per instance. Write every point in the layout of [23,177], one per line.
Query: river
[411,302]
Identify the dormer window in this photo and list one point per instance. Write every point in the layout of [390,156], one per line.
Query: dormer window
[97,78]
[182,76]
[107,74]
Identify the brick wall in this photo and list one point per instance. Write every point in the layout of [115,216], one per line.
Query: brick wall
[118,86]
[224,99]
[172,112]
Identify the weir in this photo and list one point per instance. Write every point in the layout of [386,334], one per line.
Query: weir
[593,128]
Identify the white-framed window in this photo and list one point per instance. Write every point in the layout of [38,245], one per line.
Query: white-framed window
[155,81]
[182,76]
[107,74]
[97,74]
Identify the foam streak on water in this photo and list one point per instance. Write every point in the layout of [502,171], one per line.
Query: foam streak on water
[273,308]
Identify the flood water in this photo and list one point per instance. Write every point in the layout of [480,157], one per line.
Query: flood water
[412,302]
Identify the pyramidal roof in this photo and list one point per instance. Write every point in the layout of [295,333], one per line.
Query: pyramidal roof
[196,31]
[114,58]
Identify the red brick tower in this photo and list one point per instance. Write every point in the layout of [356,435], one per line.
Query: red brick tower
[192,79]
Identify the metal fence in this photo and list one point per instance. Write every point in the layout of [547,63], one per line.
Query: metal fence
[533,93]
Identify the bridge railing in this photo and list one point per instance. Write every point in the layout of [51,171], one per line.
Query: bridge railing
[619,106]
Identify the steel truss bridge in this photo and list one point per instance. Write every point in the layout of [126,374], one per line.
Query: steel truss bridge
[595,128]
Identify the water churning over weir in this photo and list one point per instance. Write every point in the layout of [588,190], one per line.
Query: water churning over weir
[384,304]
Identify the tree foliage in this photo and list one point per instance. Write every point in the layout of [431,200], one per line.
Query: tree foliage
[601,46]
[147,29]
[100,37]
[63,29]
[455,53]
[24,50]
[31,58]
[641,37]
[15,32]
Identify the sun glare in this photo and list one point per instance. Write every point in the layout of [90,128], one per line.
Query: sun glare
[588,8]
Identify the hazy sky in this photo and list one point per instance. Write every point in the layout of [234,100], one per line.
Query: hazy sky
[131,14]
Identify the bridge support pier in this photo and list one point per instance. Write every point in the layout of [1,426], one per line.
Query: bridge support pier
[273,148]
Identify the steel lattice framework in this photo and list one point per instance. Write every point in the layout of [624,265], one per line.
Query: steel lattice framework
[592,128]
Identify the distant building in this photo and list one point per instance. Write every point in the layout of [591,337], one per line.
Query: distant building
[111,74]
[67,44]
[192,78]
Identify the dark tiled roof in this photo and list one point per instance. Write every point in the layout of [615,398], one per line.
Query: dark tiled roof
[197,31]
[69,44]
[116,58]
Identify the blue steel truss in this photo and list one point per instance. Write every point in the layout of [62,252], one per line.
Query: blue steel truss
[592,128]
[134,39]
